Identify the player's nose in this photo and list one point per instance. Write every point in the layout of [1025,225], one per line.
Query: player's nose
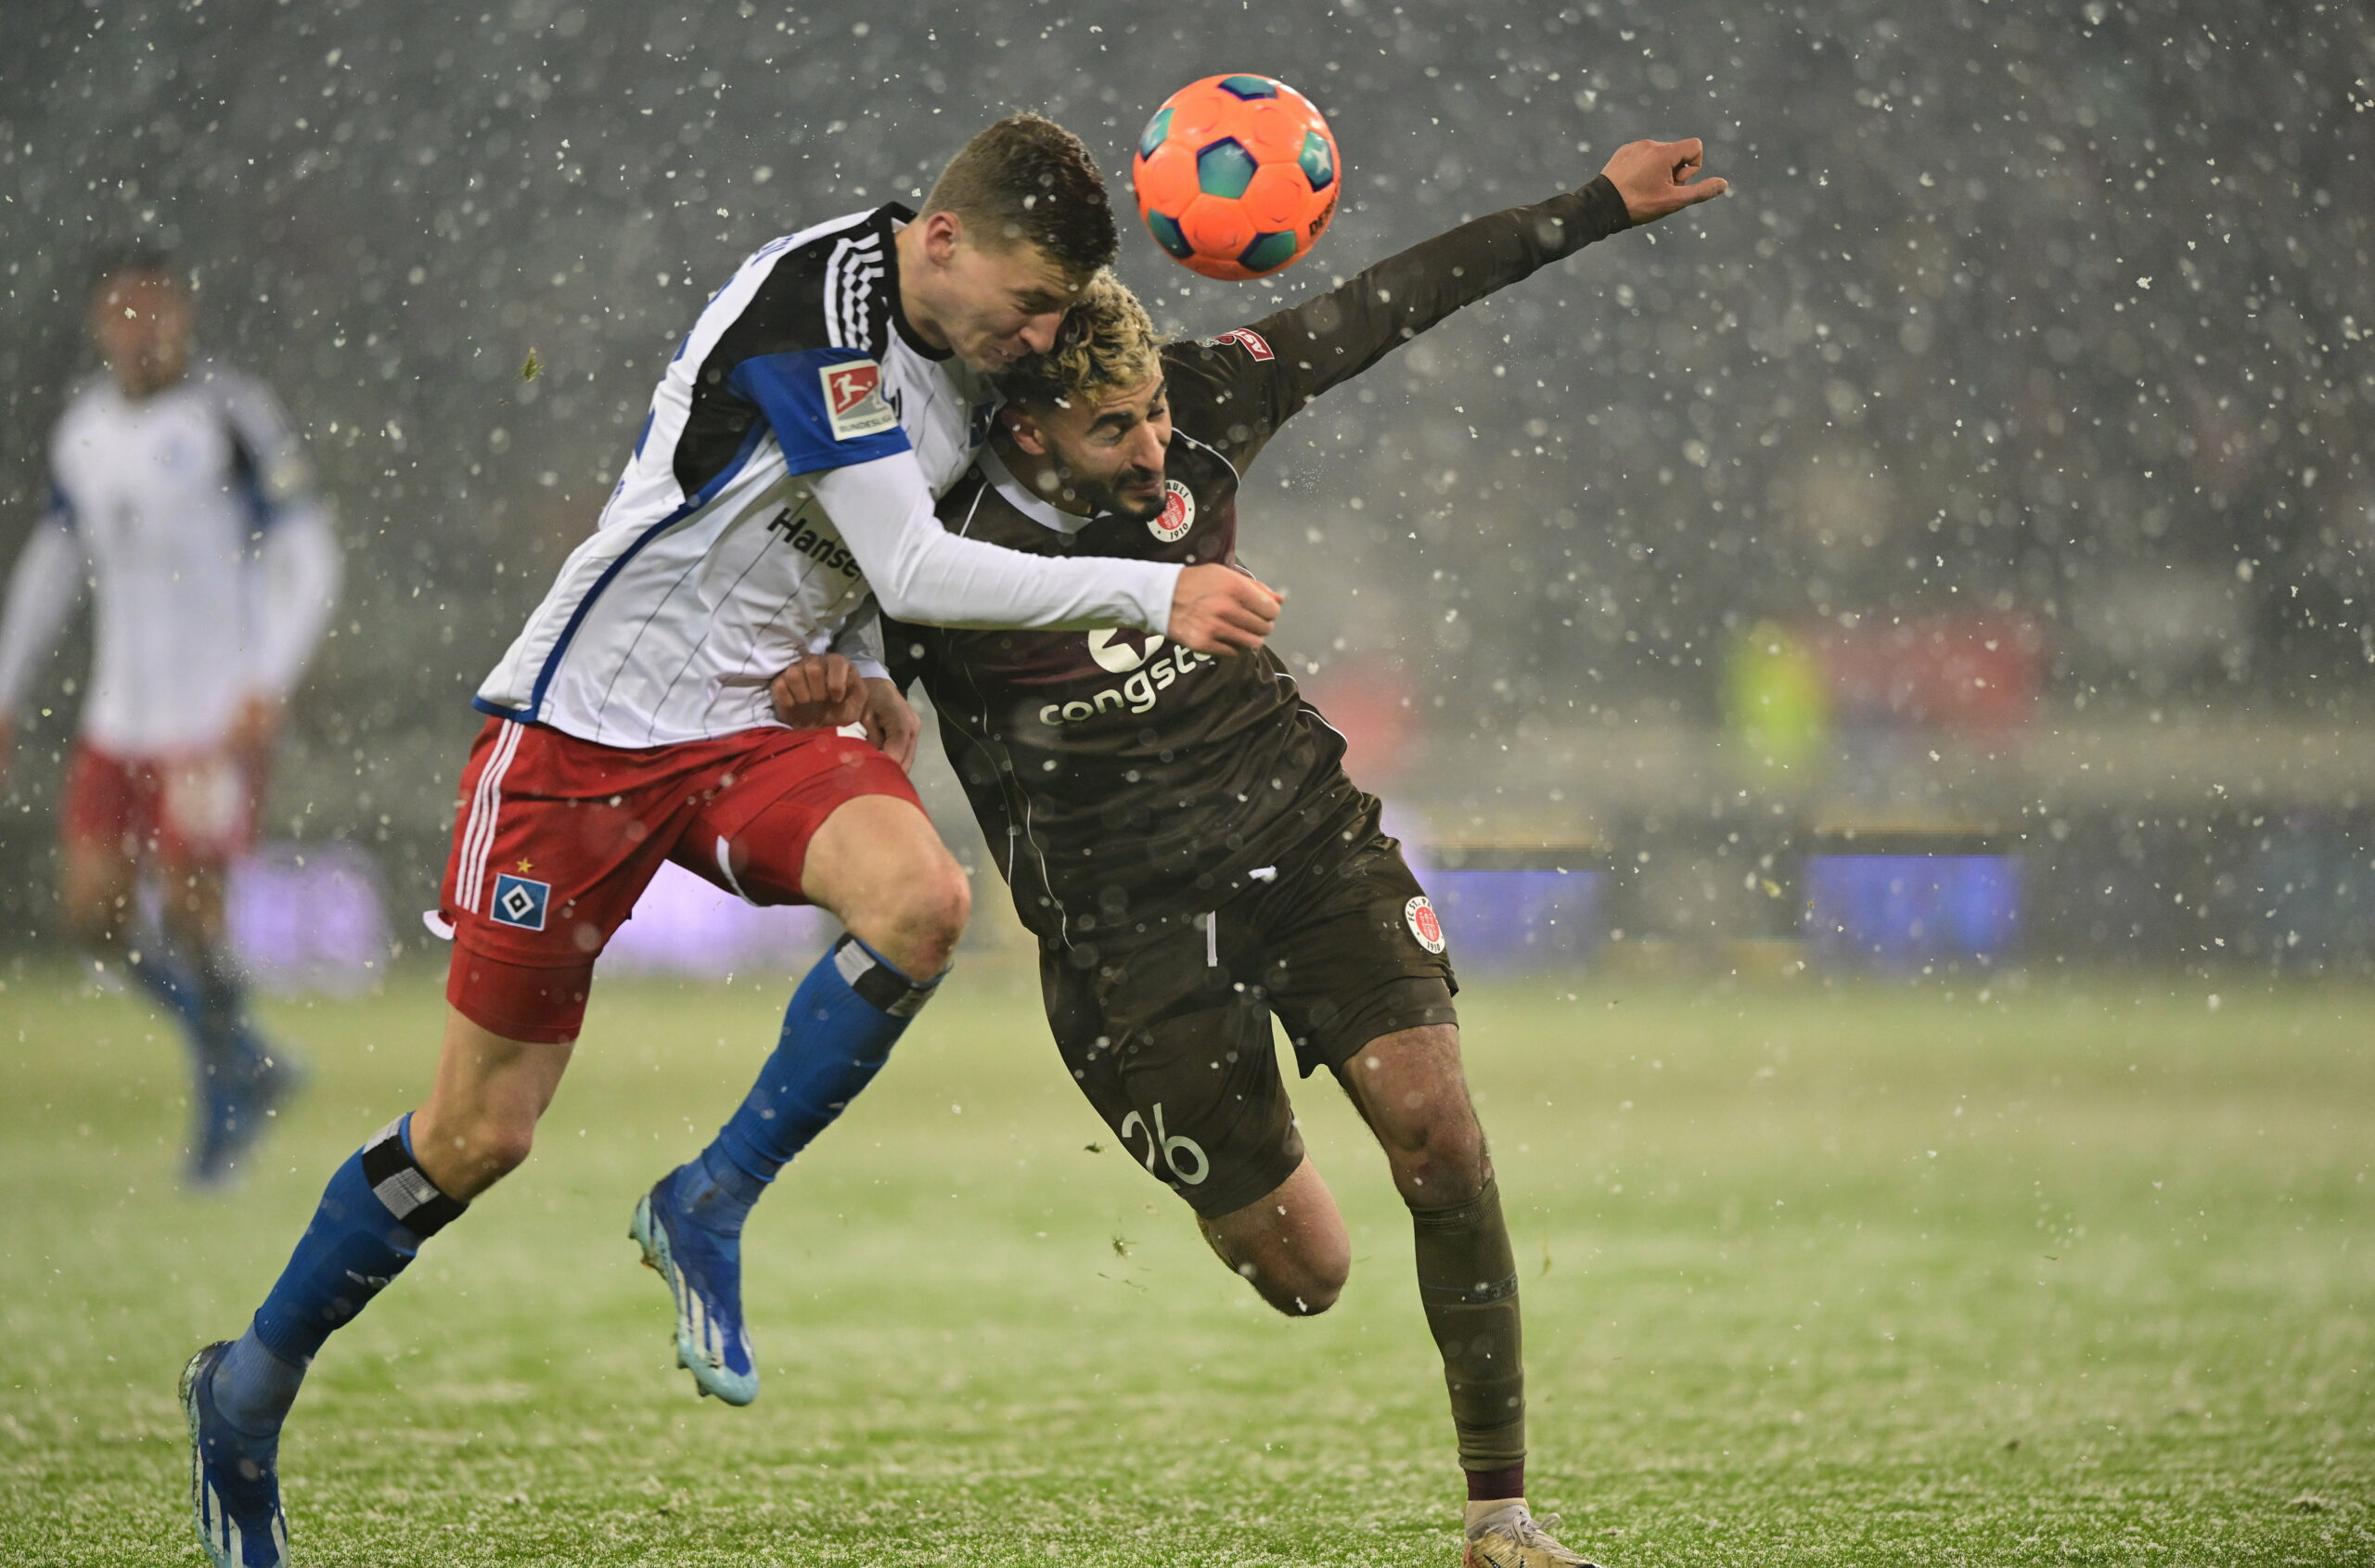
[1146,446]
[1039,333]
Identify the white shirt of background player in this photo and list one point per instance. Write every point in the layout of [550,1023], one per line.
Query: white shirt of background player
[192,516]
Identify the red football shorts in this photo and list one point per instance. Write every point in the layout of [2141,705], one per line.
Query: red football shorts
[556,838]
[192,811]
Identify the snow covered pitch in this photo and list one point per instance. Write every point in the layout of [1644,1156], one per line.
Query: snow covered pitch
[2078,1274]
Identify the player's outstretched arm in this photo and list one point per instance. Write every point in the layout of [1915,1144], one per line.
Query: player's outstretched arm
[1328,340]
[921,573]
[874,490]
[870,482]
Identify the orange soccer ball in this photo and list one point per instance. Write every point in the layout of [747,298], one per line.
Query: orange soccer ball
[1235,176]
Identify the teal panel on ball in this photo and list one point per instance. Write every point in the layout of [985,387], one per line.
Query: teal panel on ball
[1157,128]
[1224,169]
[1167,235]
[1269,251]
[1249,87]
[1318,163]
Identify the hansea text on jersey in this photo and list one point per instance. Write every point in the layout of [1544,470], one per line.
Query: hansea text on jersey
[828,553]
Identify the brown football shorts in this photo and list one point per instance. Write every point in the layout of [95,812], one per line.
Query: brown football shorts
[1166,1026]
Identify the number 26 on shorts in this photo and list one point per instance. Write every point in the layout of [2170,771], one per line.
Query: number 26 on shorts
[1170,1149]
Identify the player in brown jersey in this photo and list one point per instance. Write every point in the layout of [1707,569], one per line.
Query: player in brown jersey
[1179,832]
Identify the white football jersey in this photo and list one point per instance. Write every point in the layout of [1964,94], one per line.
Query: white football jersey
[715,563]
[165,507]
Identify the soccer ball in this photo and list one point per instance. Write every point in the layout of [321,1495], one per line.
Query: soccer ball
[1235,176]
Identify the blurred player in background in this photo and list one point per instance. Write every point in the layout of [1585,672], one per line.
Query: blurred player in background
[181,497]
[782,483]
[1180,832]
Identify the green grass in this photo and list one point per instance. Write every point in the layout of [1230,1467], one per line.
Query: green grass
[1866,1274]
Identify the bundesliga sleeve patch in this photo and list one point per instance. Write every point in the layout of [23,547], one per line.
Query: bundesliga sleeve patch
[519,901]
[853,402]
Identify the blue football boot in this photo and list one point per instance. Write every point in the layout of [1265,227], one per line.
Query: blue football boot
[704,1274]
[234,1480]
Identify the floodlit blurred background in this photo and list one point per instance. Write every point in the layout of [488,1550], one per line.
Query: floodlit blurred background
[1952,548]
[1879,669]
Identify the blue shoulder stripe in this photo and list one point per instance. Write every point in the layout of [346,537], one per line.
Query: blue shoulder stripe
[826,406]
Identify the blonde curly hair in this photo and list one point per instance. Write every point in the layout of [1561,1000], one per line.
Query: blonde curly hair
[1106,341]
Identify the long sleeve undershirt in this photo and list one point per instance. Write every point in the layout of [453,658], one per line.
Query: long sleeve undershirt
[921,571]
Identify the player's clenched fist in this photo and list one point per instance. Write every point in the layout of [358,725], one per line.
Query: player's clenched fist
[822,691]
[1220,610]
[1656,178]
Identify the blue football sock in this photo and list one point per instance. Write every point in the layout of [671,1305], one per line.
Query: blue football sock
[837,1033]
[253,1388]
[223,1008]
[715,1191]
[379,1208]
[203,990]
[159,970]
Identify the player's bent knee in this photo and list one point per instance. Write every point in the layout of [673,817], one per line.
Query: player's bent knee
[919,920]
[879,864]
[936,905]
[1460,1155]
[493,1155]
[1302,1290]
[506,1147]
[1300,1276]
[465,1158]
[1322,1285]
[1445,1164]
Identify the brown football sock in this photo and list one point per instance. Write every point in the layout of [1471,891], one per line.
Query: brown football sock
[1468,1284]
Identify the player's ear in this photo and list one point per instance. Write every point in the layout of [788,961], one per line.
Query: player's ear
[941,231]
[1025,431]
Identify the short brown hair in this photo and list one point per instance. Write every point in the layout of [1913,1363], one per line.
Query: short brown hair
[1027,178]
[1107,341]
[138,259]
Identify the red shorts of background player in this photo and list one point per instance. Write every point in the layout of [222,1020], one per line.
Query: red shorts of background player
[189,811]
[557,837]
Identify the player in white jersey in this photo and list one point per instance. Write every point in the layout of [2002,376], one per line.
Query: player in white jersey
[782,484]
[181,497]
